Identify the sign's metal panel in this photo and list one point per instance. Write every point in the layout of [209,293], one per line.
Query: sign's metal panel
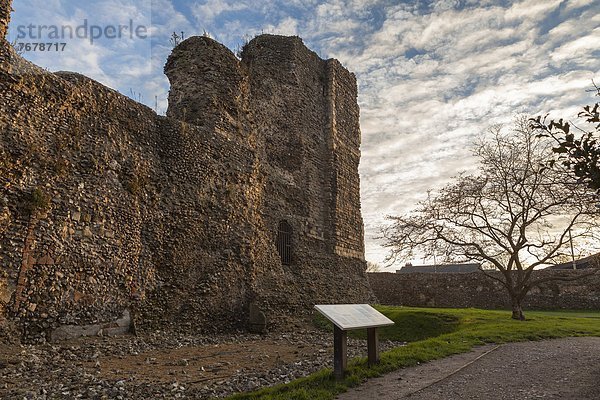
[353,316]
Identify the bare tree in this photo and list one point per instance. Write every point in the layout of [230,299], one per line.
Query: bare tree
[373,267]
[175,39]
[516,214]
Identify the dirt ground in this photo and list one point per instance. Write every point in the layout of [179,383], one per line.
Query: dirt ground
[124,362]
[196,364]
[554,369]
[164,365]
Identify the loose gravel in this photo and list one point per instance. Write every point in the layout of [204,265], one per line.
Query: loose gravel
[165,365]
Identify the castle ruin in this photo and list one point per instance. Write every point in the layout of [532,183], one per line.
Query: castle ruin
[246,193]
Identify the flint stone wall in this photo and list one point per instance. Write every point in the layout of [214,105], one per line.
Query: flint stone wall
[106,206]
[5,10]
[460,290]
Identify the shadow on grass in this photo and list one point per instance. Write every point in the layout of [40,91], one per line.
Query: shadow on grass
[409,325]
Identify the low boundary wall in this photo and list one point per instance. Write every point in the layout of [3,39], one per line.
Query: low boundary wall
[461,290]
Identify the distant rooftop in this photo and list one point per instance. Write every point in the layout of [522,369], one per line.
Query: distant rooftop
[583,263]
[440,268]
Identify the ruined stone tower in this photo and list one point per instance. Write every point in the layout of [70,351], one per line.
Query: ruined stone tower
[300,116]
[305,122]
[247,193]
[310,134]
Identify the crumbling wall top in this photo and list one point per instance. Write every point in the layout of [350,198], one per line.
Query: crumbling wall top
[197,47]
[271,43]
[279,55]
[206,84]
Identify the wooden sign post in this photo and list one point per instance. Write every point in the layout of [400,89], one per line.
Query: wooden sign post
[353,316]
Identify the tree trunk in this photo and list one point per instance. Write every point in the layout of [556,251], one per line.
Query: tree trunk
[517,311]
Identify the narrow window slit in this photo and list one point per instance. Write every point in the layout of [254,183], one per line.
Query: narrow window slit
[284,242]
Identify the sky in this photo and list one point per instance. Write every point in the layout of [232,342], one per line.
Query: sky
[432,75]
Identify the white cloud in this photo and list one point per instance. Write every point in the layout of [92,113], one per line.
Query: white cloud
[531,10]
[207,11]
[580,48]
[476,67]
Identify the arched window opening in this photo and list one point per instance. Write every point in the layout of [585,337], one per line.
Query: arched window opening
[284,242]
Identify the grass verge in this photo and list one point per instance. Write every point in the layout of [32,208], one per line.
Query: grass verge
[434,334]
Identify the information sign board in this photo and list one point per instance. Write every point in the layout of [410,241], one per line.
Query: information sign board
[353,316]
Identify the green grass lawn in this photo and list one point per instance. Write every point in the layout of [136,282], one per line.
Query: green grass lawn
[433,333]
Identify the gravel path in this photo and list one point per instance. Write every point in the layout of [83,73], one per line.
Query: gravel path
[553,369]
